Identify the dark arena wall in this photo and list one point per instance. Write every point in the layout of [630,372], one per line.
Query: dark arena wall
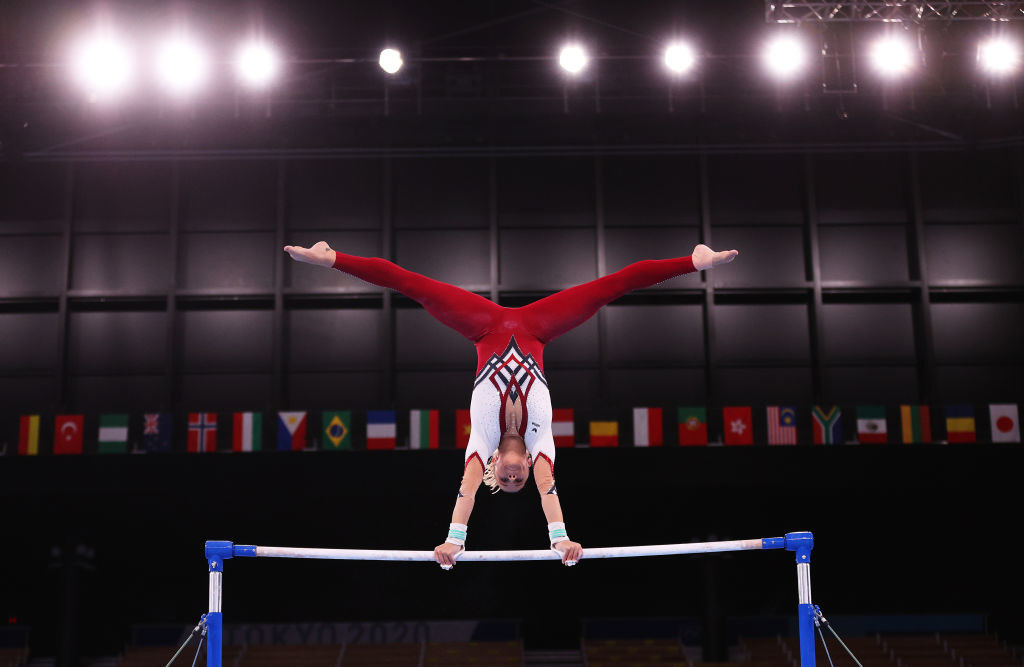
[881,239]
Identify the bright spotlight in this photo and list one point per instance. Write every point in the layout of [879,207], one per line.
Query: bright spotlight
[182,65]
[893,56]
[257,64]
[680,58]
[785,56]
[101,65]
[391,60]
[573,58]
[998,56]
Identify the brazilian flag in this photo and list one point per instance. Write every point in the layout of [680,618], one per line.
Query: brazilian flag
[337,430]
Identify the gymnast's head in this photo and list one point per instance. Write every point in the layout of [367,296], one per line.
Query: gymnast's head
[509,466]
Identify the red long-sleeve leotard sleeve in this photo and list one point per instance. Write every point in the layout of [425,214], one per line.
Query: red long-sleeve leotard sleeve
[563,311]
[469,314]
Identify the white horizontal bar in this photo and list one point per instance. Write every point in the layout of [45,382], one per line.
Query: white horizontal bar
[538,554]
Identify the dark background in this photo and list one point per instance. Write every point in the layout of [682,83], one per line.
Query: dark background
[882,263]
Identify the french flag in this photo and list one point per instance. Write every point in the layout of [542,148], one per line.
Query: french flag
[380,429]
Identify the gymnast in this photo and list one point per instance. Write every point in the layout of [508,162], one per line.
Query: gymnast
[510,411]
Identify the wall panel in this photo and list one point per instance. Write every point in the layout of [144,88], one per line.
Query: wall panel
[655,334]
[133,263]
[769,256]
[651,191]
[441,193]
[546,192]
[121,343]
[225,341]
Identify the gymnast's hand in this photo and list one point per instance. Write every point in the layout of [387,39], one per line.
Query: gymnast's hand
[704,257]
[320,254]
[571,552]
[445,555]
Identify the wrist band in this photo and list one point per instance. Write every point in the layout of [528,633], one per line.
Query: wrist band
[457,534]
[556,532]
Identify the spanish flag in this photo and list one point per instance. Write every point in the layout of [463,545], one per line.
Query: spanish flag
[604,434]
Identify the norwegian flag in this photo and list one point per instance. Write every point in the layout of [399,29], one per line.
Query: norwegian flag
[202,432]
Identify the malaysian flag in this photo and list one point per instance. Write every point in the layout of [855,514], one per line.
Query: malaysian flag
[781,425]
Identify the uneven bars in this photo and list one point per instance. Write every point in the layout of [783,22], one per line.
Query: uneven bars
[217,551]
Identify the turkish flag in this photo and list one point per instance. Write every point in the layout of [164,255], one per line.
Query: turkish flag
[737,425]
[67,434]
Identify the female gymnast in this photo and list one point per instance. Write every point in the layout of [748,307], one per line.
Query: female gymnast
[510,411]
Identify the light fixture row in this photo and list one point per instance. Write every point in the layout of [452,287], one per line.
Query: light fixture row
[104,67]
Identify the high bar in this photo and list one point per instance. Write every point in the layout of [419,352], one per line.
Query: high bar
[228,550]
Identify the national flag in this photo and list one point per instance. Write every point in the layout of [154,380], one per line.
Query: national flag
[423,425]
[1005,425]
[247,435]
[916,421]
[960,423]
[28,435]
[604,434]
[872,426]
[781,425]
[67,434]
[157,428]
[380,429]
[647,427]
[113,435]
[291,431]
[563,427]
[202,432]
[693,425]
[827,425]
[338,429]
[463,426]
[738,425]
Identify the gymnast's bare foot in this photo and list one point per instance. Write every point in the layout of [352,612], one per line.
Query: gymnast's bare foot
[704,257]
[320,253]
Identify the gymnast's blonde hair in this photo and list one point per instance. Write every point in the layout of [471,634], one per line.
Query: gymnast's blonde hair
[490,478]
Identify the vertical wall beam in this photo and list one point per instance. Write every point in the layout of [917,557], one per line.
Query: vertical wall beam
[387,252]
[704,185]
[813,264]
[173,241]
[923,338]
[279,379]
[601,267]
[65,285]
[492,223]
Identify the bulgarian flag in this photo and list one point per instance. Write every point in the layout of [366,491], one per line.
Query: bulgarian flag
[827,425]
[960,423]
[463,425]
[28,435]
[871,424]
[604,434]
[423,429]
[113,435]
[563,427]
[647,427]
[693,425]
[291,431]
[917,423]
[380,429]
[248,432]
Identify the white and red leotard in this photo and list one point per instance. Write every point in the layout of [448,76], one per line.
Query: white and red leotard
[510,341]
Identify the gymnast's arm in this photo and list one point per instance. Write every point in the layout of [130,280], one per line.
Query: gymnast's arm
[563,311]
[545,478]
[469,314]
[472,475]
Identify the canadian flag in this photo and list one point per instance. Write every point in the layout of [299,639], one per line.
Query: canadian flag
[1005,424]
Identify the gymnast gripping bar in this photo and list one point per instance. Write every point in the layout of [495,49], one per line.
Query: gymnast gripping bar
[226,550]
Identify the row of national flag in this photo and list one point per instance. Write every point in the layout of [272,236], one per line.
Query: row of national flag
[119,433]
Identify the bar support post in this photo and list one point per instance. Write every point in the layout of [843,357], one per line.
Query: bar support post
[802,543]
[216,553]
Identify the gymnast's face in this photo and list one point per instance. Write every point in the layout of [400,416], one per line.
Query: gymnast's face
[512,466]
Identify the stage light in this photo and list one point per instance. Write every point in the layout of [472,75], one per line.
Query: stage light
[999,56]
[680,58]
[785,56]
[391,60]
[182,65]
[573,58]
[893,56]
[257,64]
[102,65]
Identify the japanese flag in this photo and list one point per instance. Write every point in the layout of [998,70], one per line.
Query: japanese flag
[1005,424]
